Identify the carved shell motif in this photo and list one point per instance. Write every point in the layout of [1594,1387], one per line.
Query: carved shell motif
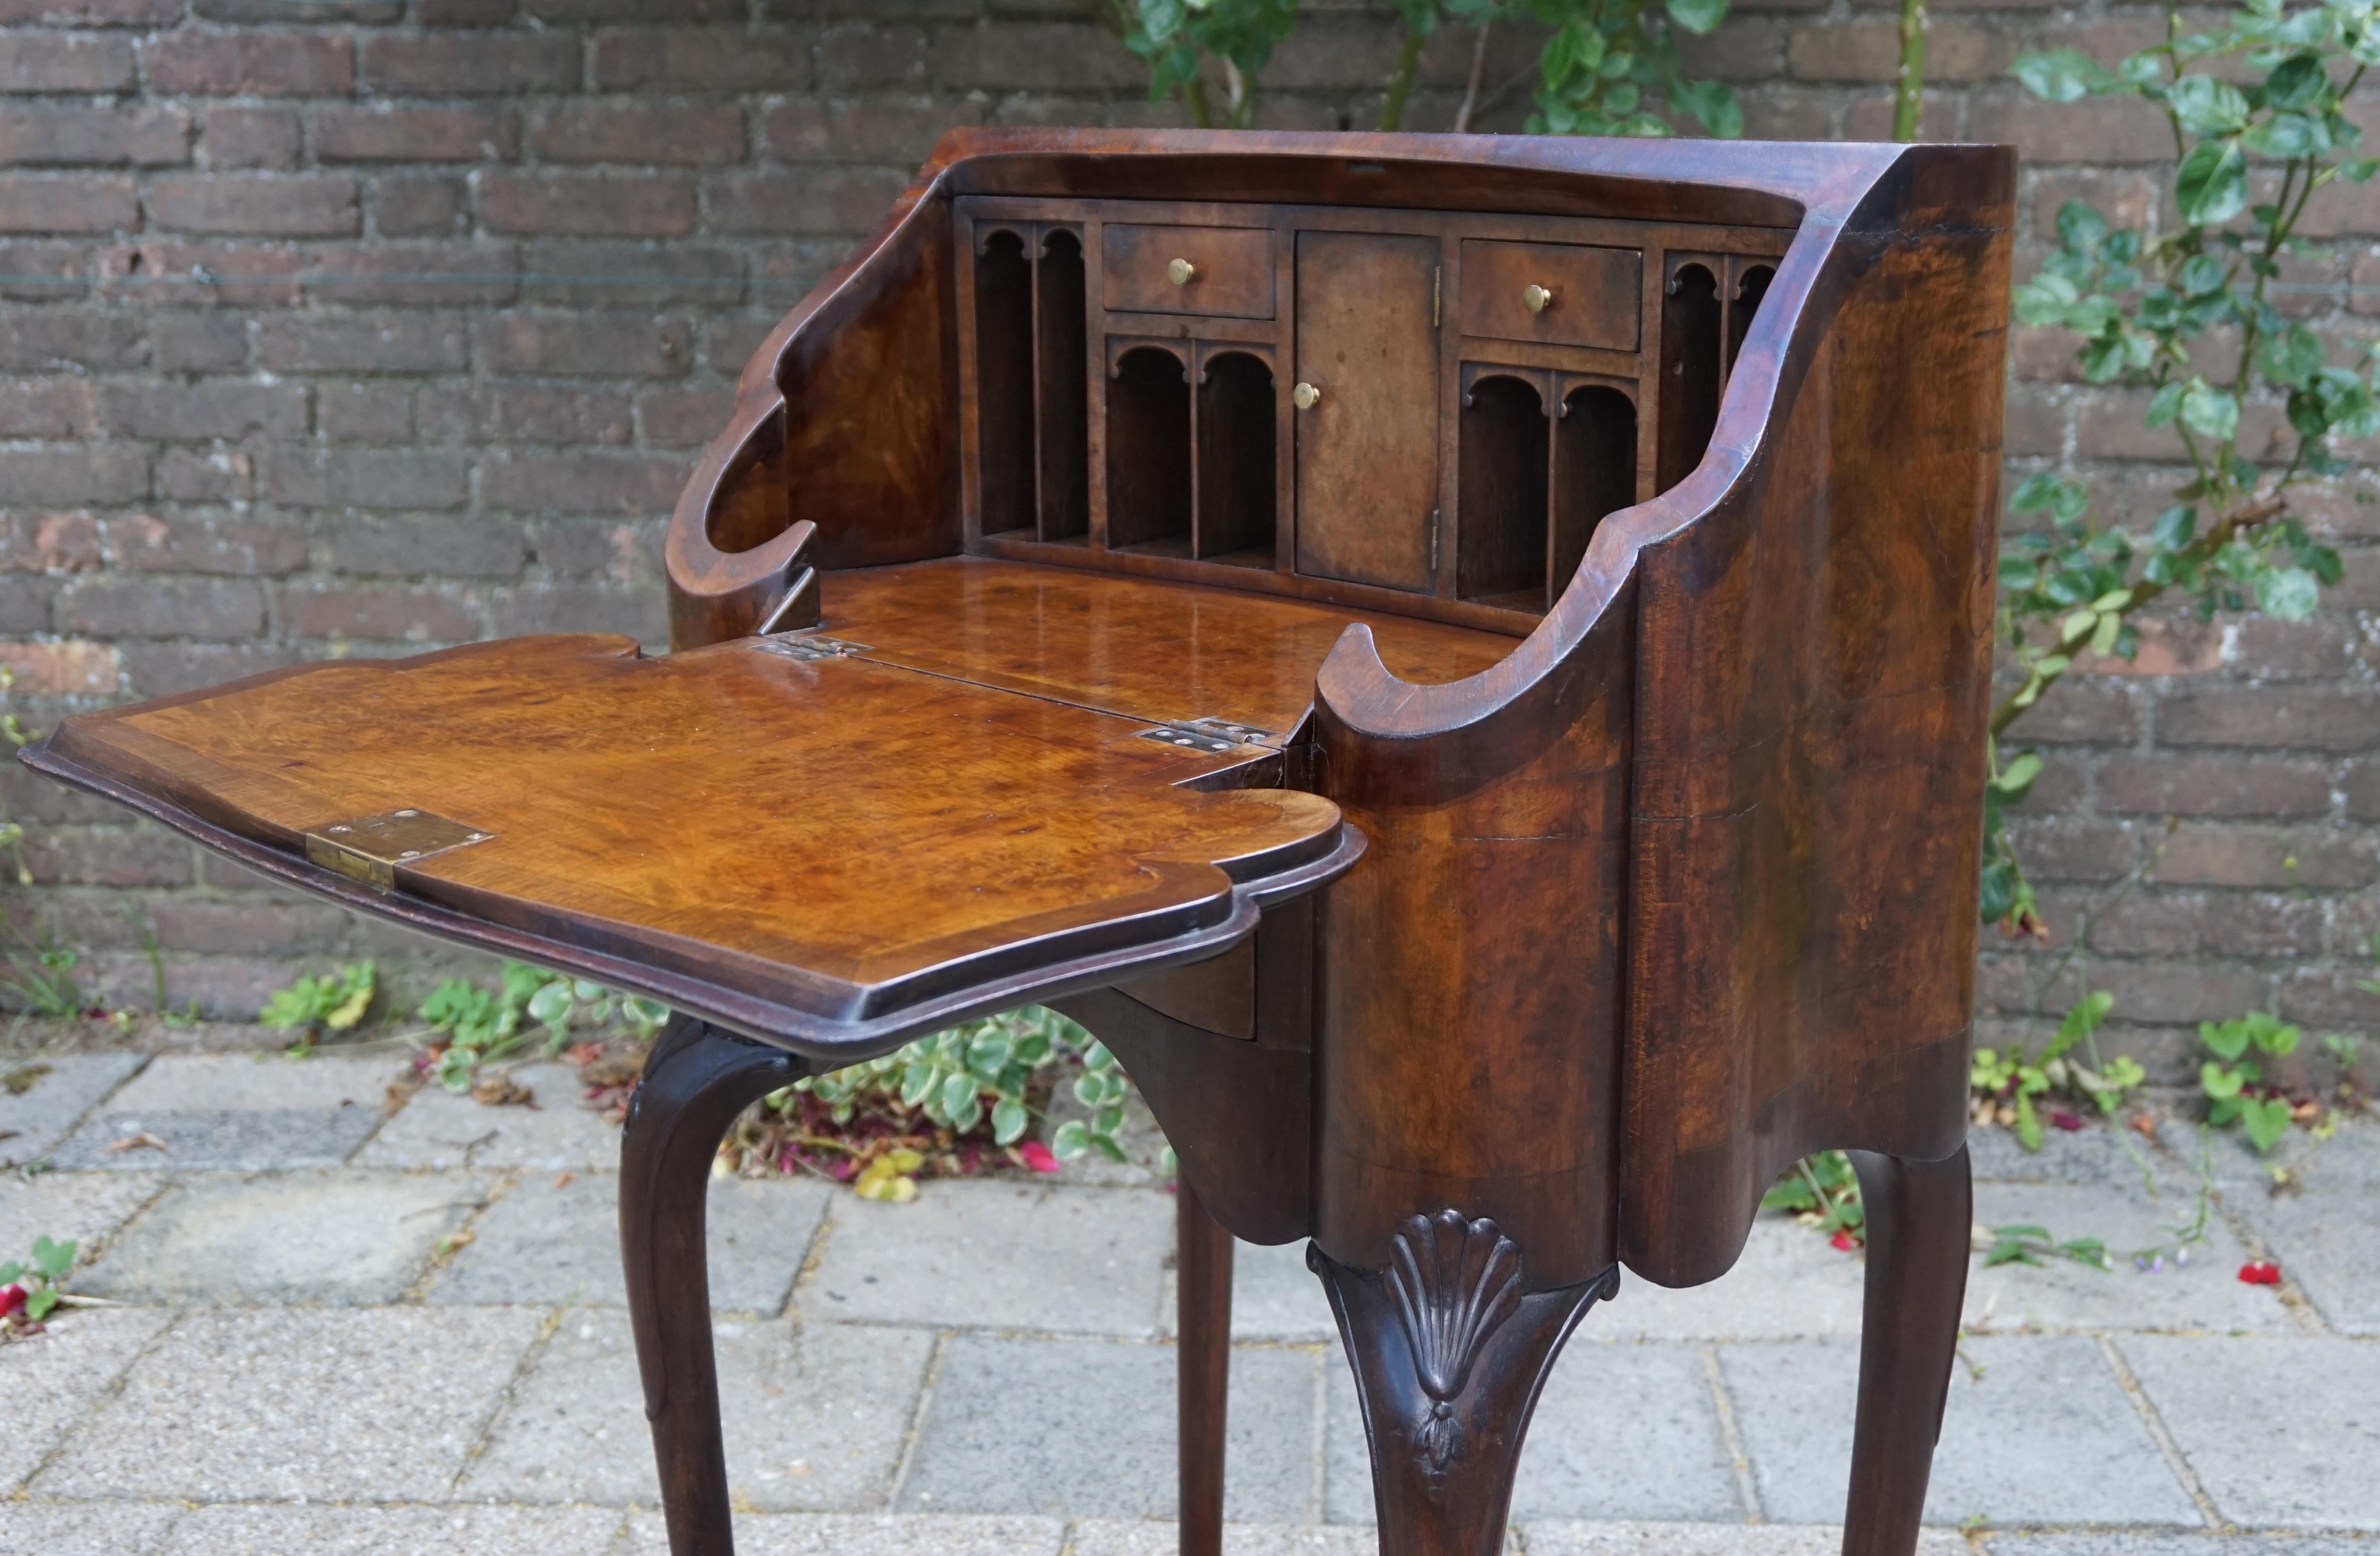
[1453,1280]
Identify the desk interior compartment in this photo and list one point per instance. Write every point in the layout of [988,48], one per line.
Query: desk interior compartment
[1003,373]
[1594,472]
[1500,512]
[1238,474]
[1064,405]
[1148,450]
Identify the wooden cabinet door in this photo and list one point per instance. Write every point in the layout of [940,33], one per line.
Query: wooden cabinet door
[1367,445]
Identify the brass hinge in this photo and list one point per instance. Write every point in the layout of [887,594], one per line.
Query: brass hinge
[1245,734]
[1433,543]
[1437,278]
[809,647]
[1191,739]
[370,848]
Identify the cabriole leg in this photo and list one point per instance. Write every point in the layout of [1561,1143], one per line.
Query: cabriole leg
[695,1082]
[1919,1218]
[1449,1353]
[1202,1306]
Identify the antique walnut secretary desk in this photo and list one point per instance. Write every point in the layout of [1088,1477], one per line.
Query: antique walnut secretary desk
[1461,659]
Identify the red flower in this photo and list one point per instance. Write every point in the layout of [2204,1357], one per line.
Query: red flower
[1036,1155]
[2068,1122]
[1844,1241]
[2260,1272]
[12,1300]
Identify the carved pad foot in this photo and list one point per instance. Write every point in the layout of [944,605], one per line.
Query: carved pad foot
[1450,1352]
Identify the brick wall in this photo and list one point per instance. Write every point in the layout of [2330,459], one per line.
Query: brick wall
[356,327]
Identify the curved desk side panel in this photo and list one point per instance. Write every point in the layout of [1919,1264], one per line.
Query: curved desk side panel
[1813,659]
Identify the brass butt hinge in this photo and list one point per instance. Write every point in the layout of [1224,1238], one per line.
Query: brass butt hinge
[1437,280]
[368,848]
[1433,543]
[1211,736]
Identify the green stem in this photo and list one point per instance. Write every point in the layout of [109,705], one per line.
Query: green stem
[1909,85]
[1400,80]
[1193,99]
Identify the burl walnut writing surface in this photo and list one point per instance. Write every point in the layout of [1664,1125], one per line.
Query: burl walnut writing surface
[1461,659]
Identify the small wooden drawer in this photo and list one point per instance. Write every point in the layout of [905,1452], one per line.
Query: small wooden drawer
[1587,296]
[1224,271]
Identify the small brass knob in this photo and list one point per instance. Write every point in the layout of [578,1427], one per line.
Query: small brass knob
[1304,395]
[1536,299]
[1181,272]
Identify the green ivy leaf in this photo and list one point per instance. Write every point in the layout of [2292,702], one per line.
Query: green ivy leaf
[1697,16]
[2289,593]
[1008,1121]
[2063,74]
[2207,105]
[2209,411]
[2212,183]
[1071,1140]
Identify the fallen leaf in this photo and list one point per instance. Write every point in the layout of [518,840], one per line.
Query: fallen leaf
[138,1142]
[20,1080]
[500,1092]
[566,1180]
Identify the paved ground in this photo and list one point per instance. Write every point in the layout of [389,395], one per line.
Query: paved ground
[391,1332]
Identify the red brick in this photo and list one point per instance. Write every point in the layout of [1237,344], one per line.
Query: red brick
[631,610]
[684,417]
[146,607]
[588,482]
[419,479]
[637,132]
[576,275]
[465,13]
[72,668]
[214,475]
[2061,848]
[306,206]
[870,129]
[363,413]
[2270,719]
[2193,924]
[198,341]
[1870,51]
[385,132]
[2097,130]
[448,64]
[266,138]
[418,273]
[261,64]
[382,612]
[581,11]
[419,206]
[703,59]
[2266,856]
[72,477]
[66,202]
[1041,57]
[245,928]
[45,407]
[361,343]
[2195,785]
[862,55]
[2080,713]
[2273,650]
[611,551]
[803,199]
[613,345]
[2180,992]
[588,205]
[238,544]
[146,137]
[728,343]
[107,857]
[47,271]
[63,62]
[248,275]
[164,669]
[214,409]
[412,545]
[91,13]
[540,413]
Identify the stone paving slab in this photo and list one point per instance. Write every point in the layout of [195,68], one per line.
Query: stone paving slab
[1087,1427]
[441,1129]
[982,1255]
[816,1415]
[1141,1536]
[395,1531]
[2281,1432]
[222,1139]
[1621,1432]
[86,1209]
[1274,1297]
[42,1097]
[321,1405]
[85,1529]
[1788,1281]
[258,1082]
[52,1382]
[555,1239]
[2108,1543]
[2044,1435]
[2350,1159]
[1556,1538]
[2329,1246]
[315,1237]
[884,1535]
[2205,1293]
[2094,1155]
